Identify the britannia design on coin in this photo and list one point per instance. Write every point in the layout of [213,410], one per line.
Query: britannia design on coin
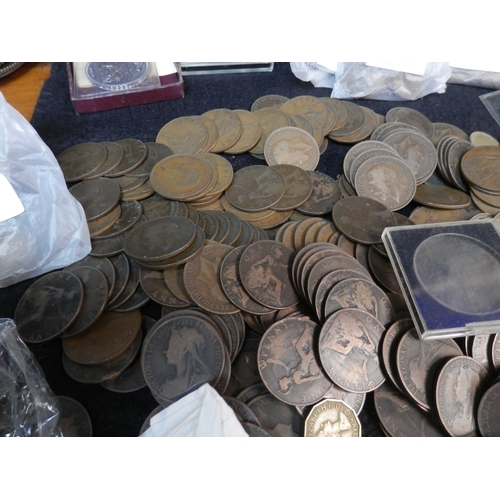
[359,296]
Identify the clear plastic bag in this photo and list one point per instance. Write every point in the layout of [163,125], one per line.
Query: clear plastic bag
[28,407]
[52,232]
[476,78]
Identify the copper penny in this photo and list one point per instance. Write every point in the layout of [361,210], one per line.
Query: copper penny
[81,160]
[153,283]
[271,119]
[325,194]
[102,224]
[298,187]
[184,135]
[74,419]
[229,126]
[108,338]
[135,153]
[411,117]
[252,130]
[130,215]
[114,158]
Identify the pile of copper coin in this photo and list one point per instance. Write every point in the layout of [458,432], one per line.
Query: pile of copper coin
[273,281]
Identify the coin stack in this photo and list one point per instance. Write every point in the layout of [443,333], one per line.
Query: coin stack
[272,280]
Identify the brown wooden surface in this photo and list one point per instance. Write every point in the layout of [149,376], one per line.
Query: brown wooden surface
[22,87]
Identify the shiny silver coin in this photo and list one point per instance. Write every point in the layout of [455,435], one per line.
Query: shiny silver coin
[116,75]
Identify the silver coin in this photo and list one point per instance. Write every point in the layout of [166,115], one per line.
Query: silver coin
[116,75]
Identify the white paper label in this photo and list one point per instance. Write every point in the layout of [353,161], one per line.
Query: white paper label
[405,67]
[10,204]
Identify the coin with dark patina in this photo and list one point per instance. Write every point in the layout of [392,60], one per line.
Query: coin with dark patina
[418,363]
[400,417]
[159,239]
[256,188]
[184,135]
[488,414]
[130,215]
[155,286]
[252,130]
[115,156]
[96,374]
[201,278]
[49,306]
[81,160]
[74,419]
[135,153]
[241,410]
[441,197]
[229,126]
[95,288]
[298,187]
[325,194]
[180,354]
[332,418]
[411,117]
[130,286]
[348,348]
[265,271]
[105,340]
[277,418]
[269,101]
[288,364]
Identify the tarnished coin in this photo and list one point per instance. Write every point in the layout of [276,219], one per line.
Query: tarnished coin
[265,271]
[418,363]
[108,338]
[116,76]
[311,126]
[128,183]
[114,158]
[459,385]
[224,172]
[382,270]
[288,364]
[155,286]
[213,134]
[182,177]
[159,239]
[156,152]
[229,126]
[325,194]
[184,135]
[271,119]
[277,418]
[480,168]
[298,187]
[434,196]
[479,138]
[49,307]
[362,133]
[361,294]
[417,151]
[362,219]
[97,197]
[96,374]
[489,411]
[291,146]
[354,122]
[400,417]
[256,188]
[386,179]
[233,288]
[412,117]
[81,160]
[332,418]
[180,354]
[174,279]
[139,193]
[135,153]
[102,224]
[74,419]
[429,215]
[443,129]
[341,112]
[348,348]
[254,430]
[269,101]
[130,380]
[308,106]
[96,290]
[131,213]
[252,130]
[354,400]
[201,277]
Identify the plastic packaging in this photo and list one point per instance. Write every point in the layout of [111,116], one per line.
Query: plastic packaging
[355,80]
[475,78]
[27,405]
[52,231]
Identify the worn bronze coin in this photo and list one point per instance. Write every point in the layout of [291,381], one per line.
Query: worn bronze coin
[276,417]
[411,117]
[310,107]
[74,419]
[400,417]
[252,130]
[224,172]
[325,194]
[121,272]
[201,278]
[180,354]
[445,129]
[434,196]
[288,364]
[298,187]
[108,338]
[174,279]
[271,119]
[459,386]
[184,135]
[130,286]
[114,158]
[81,160]
[182,177]
[430,215]
[96,374]
[159,239]
[480,168]
[269,101]
[97,197]
[354,122]
[349,350]
[99,226]
[332,418]
[229,126]
[155,286]
[131,213]
[49,306]
[265,271]
[291,146]
[256,188]
[362,219]
[95,287]
[135,153]
[418,363]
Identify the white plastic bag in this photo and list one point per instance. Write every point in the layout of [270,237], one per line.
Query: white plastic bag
[52,231]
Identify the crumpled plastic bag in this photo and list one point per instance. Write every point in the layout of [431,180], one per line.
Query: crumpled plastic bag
[356,80]
[52,232]
[475,78]
[28,408]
